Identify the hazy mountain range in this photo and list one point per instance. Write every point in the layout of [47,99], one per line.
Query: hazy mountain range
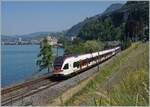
[36,35]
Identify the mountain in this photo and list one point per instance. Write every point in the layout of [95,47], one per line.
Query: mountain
[35,35]
[130,21]
[8,38]
[112,8]
[74,30]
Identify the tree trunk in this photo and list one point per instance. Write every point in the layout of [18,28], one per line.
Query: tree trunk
[48,69]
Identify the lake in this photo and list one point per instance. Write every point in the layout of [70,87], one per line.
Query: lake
[18,62]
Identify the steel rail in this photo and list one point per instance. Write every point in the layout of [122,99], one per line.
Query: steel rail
[26,94]
[22,85]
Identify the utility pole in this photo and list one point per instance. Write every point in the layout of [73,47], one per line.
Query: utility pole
[98,61]
[57,50]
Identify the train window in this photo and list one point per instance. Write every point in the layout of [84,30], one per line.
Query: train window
[76,64]
[94,58]
[88,60]
[57,65]
[66,66]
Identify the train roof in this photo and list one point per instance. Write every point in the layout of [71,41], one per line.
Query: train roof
[62,58]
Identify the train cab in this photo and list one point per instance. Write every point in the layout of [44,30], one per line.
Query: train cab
[57,65]
[62,66]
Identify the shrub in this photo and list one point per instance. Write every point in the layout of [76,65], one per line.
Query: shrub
[127,43]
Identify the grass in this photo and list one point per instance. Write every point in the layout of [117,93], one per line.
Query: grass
[132,89]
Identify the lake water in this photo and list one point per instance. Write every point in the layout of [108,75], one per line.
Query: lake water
[18,62]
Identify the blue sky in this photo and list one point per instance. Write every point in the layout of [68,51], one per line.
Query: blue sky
[28,17]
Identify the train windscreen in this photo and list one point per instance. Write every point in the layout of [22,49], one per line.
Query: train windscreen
[58,62]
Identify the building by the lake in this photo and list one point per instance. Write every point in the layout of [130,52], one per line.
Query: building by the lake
[52,40]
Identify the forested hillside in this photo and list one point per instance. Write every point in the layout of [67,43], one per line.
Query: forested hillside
[129,23]
[131,20]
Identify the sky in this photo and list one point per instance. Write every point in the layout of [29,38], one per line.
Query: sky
[30,16]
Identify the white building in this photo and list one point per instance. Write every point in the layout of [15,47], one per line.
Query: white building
[52,40]
[73,38]
[19,39]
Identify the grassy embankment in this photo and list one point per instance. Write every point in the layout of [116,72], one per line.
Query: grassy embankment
[132,88]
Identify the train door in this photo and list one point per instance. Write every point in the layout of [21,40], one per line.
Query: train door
[71,67]
[98,57]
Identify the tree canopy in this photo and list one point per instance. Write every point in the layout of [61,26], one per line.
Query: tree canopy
[133,16]
[45,56]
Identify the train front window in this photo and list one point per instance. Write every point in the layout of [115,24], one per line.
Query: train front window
[57,65]
[58,62]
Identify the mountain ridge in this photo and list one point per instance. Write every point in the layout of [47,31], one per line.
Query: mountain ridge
[73,31]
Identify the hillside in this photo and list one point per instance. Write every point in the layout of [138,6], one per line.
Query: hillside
[130,21]
[122,82]
[128,24]
[74,30]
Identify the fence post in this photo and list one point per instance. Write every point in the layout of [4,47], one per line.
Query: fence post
[22,100]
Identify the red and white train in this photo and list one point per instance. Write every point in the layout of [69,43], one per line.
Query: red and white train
[64,65]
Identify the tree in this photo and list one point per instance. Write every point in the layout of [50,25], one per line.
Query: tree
[45,56]
[84,47]
[91,46]
[127,43]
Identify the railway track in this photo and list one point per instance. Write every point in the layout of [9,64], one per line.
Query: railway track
[22,85]
[22,90]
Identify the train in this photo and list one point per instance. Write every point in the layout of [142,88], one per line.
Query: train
[67,65]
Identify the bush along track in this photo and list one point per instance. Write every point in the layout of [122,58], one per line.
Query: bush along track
[131,88]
